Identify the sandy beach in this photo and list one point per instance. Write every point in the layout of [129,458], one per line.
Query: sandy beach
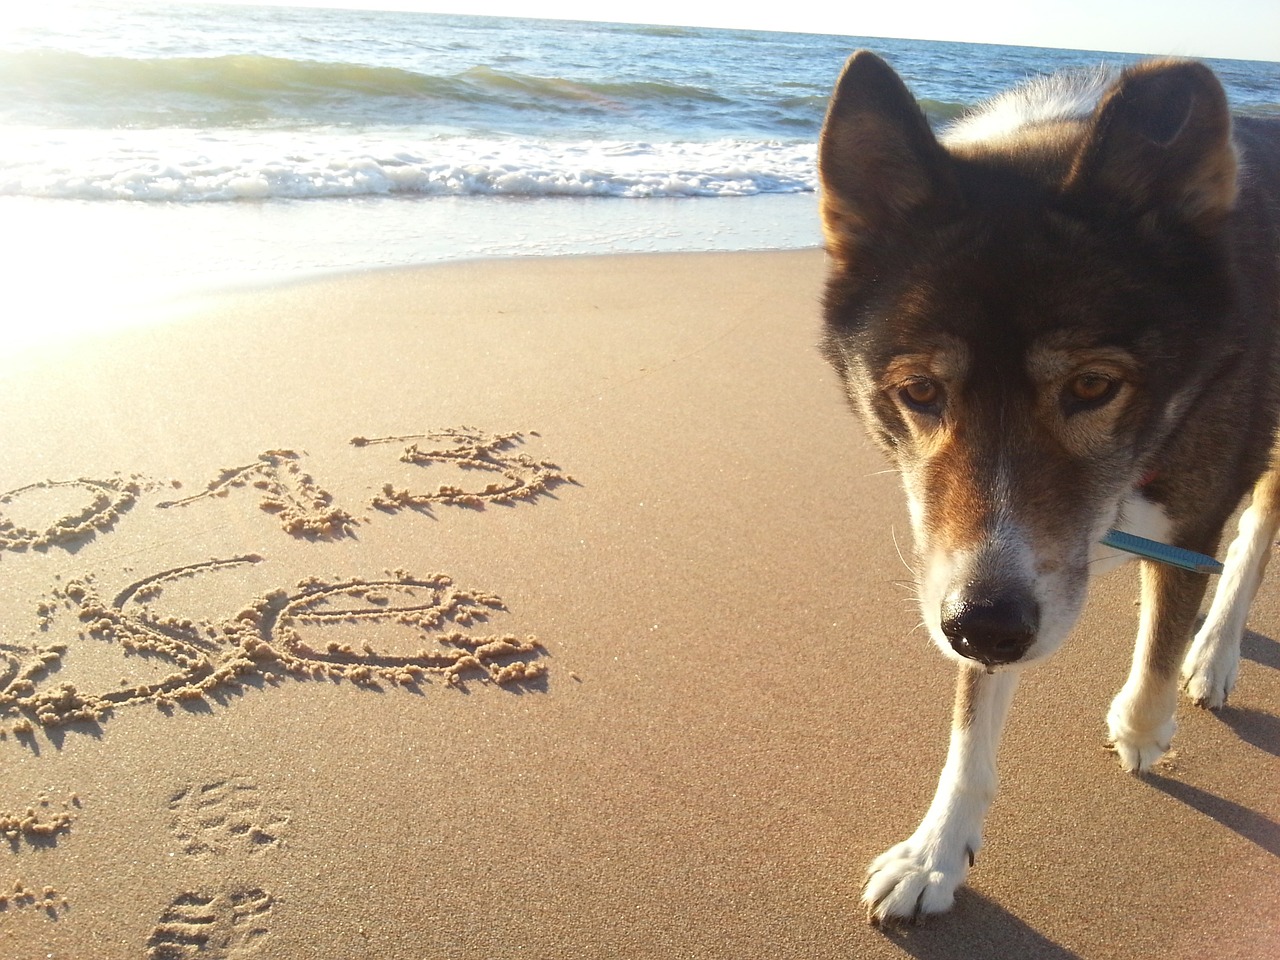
[547,608]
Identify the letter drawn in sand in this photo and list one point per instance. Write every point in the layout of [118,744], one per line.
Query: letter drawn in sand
[302,506]
[194,651]
[399,629]
[65,500]
[332,628]
[511,476]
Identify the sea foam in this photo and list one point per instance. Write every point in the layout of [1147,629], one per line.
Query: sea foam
[166,165]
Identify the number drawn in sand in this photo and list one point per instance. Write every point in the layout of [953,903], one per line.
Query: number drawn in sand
[59,512]
[399,629]
[224,816]
[78,508]
[39,823]
[301,505]
[221,926]
[511,476]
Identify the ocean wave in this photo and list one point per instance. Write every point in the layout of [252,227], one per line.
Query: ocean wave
[500,84]
[60,86]
[208,169]
[51,87]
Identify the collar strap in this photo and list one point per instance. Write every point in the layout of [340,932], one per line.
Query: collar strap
[1161,552]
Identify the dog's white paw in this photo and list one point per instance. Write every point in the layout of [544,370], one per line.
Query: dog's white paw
[915,878]
[1138,746]
[1209,670]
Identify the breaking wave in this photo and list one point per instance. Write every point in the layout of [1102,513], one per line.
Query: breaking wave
[78,89]
[205,168]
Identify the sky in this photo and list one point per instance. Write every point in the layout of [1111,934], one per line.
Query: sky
[1237,29]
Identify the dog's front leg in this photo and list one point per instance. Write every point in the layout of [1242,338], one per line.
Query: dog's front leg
[1141,716]
[1209,670]
[921,874]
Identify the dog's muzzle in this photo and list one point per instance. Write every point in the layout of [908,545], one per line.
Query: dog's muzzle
[991,631]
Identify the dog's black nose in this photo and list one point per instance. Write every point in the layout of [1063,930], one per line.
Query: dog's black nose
[990,631]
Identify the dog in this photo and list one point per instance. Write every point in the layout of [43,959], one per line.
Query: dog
[1058,318]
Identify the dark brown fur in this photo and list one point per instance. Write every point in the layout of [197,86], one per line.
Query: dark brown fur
[1119,232]
[1048,328]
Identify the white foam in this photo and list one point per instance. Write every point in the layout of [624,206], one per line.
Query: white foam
[175,165]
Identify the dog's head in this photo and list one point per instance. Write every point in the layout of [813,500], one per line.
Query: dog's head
[1021,319]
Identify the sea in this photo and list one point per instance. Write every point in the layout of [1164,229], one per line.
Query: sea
[153,150]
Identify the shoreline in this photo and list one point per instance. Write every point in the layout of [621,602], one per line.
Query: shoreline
[77,264]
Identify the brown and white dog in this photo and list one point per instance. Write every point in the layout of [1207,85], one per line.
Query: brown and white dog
[1059,318]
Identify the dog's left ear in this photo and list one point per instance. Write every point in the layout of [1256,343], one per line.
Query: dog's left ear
[1160,142]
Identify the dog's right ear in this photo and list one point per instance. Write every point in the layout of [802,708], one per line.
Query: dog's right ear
[877,158]
[1159,142]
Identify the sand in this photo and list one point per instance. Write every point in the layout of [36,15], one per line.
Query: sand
[549,609]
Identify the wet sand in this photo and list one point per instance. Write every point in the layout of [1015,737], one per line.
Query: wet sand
[542,608]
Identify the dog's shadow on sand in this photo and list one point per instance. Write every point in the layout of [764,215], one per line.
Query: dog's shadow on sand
[1255,727]
[1249,824]
[1260,649]
[975,927]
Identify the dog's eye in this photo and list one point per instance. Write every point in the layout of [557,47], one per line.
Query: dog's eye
[921,394]
[1088,391]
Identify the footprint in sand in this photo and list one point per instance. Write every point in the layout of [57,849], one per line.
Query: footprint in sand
[225,816]
[219,926]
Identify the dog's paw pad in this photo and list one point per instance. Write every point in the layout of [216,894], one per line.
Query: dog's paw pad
[905,884]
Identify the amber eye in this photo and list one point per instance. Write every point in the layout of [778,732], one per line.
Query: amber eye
[921,394]
[1088,391]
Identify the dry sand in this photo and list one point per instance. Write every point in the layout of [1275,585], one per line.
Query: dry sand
[539,609]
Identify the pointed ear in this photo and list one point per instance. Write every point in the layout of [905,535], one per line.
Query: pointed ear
[1160,142]
[877,158]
